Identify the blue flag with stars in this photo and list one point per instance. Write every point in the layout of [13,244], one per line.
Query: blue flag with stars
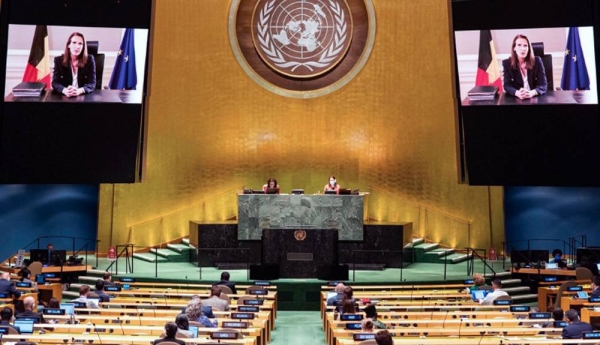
[124,75]
[575,75]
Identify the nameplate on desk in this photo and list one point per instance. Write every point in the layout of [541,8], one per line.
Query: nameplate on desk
[262,283]
[299,256]
[594,299]
[245,316]
[363,336]
[53,311]
[127,280]
[575,288]
[537,316]
[4,295]
[351,317]
[248,309]
[112,288]
[3,330]
[79,305]
[550,279]
[49,275]
[23,285]
[254,302]
[234,324]
[224,335]
[590,335]
[334,282]
[258,292]
[353,326]
[519,308]
[469,281]
[560,324]
[502,302]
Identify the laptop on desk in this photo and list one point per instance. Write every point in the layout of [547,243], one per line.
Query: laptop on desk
[478,294]
[552,265]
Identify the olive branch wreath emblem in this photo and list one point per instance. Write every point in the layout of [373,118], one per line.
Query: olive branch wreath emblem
[275,55]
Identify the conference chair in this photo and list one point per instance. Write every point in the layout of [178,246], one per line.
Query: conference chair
[368,342]
[225,289]
[10,330]
[168,343]
[486,288]
[583,273]
[538,50]
[99,59]
[240,301]
[503,298]
[254,287]
[563,287]
[224,297]
[35,268]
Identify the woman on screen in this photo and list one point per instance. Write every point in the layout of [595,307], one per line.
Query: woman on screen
[524,74]
[75,70]
[271,184]
[332,185]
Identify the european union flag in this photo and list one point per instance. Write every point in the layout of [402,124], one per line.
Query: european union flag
[575,75]
[124,76]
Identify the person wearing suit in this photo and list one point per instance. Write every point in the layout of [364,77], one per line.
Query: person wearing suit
[74,71]
[29,305]
[595,286]
[575,327]
[225,281]
[6,315]
[524,74]
[214,301]
[7,287]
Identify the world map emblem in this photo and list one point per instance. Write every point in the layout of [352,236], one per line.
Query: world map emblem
[302,38]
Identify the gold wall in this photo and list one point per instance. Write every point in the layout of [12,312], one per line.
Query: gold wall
[212,131]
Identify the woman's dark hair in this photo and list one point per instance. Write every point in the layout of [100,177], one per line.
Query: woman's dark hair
[82,58]
[53,303]
[557,252]
[182,322]
[529,59]
[24,273]
[348,307]
[271,180]
[170,330]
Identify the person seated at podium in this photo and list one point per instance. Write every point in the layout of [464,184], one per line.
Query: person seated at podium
[170,333]
[271,183]
[74,71]
[7,287]
[524,74]
[332,185]
[558,259]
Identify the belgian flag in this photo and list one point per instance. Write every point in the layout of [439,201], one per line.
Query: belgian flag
[38,66]
[488,72]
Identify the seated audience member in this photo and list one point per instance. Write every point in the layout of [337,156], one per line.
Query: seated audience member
[84,292]
[339,289]
[575,328]
[478,282]
[225,281]
[7,287]
[497,292]
[557,255]
[596,286]
[349,307]
[53,303]
[107,277]
[183,326]
[194,313]
[206,310]
[384,338]
[29,305]
[6,315]
[104,297]
[371,312]
[170,333]
[25,275]
[366,325]
[214,301]
[557,315]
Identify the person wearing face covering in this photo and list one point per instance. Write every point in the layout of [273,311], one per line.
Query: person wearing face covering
[332,185]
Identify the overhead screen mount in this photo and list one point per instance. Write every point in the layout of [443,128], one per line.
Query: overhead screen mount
[95,137]
[550,139]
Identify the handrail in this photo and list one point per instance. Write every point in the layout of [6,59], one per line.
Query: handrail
[73,251]
[568,248]
[473,253]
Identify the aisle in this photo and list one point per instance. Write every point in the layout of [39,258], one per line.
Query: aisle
[298,328]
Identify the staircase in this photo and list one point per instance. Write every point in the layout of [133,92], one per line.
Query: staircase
[174,252]
[433,253]
[521,294]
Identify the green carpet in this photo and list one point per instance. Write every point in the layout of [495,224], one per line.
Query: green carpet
[298,327]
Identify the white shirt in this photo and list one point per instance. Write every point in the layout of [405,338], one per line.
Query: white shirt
[489,299]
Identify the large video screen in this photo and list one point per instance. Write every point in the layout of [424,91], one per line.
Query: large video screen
[74,76]
[527,91]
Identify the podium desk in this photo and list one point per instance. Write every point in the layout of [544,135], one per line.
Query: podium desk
[96,96]
[550,97]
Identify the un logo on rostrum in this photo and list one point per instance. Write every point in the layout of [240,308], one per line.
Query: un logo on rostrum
[302,38]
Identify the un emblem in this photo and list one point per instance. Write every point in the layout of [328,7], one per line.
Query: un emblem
[302,38]
[300,235]
[302,48]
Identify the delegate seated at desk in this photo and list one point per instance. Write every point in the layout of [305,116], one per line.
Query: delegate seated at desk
[332,185]
[7,287]
[271,184]
[524,74]
[75,70]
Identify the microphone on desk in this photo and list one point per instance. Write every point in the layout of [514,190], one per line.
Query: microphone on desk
[121,324]
[481,338]
[445,316]
[422,302]
[460,326]
[137,311]
[97,333]
[432,311]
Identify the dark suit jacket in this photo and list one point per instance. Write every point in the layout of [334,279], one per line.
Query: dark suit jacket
[63,77]
[596,293]
[9,288]
[574,330]
[536,77]
[229,284]
[29,313]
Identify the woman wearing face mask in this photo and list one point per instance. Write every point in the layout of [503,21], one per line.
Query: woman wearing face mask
[524,74]
[332,185]
[75,70]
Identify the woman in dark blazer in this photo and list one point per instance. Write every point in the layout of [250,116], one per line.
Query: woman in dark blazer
[75,70]
[524,74]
